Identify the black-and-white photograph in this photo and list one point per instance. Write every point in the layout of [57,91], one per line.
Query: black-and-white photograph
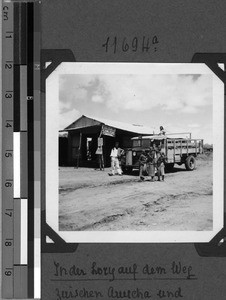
[136,148]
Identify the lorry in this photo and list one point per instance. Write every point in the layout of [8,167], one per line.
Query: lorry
[177,151]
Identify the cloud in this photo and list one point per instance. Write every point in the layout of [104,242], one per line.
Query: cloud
[97,99]
[64,106]
[68,117]
[189,109]
[194,125]
[73,88]
[172,93]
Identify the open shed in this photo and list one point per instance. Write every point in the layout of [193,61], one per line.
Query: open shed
[83,136]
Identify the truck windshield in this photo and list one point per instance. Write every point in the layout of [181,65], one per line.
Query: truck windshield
[136,143]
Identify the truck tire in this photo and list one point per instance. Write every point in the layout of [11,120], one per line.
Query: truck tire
[190,163]
[127,170]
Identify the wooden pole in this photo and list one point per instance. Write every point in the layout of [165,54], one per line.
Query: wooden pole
[181,148]
[102,148]
[101,131]
[166,148]
[79,149]
[174,150]
[102,157]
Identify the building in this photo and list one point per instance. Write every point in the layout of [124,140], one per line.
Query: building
[85,133]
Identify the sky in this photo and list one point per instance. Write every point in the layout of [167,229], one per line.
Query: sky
[179,103]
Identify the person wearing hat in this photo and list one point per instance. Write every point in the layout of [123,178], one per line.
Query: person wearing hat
[142,164]
[161,160]
[151,160]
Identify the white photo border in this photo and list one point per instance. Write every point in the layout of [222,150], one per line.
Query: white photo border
[51,147]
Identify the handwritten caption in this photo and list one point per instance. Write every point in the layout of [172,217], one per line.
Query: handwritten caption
[76,280]
[144,44]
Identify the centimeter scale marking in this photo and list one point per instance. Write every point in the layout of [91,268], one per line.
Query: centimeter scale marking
[21,150]
[7,157]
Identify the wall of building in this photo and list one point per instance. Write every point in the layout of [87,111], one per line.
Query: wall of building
[63,151]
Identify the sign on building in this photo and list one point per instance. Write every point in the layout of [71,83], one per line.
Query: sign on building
[107,130]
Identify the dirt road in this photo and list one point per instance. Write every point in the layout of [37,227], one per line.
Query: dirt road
[91,200]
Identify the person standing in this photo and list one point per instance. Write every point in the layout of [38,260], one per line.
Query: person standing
[99,153]
[142,164]
[121,152]
[151,160]
[161,161]
[116,154]
[162,130]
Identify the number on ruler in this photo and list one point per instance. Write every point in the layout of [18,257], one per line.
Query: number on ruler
[8,95]
[8,183]
[9,213]
[5,13]
[8,243]
[8,125]
[8,154]
[8,272]
[8,35]
[8,66]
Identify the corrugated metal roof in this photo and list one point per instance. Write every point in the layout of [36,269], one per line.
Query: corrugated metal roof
[135,128]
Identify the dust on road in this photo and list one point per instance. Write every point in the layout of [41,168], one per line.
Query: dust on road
[91,200]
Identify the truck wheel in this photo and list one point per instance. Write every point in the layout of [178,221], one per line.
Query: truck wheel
[190,163]
[127,170]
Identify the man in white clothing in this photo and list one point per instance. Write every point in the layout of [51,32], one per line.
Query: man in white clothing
[116,153]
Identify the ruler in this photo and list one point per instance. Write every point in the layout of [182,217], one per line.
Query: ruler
[7,151]
[21,149]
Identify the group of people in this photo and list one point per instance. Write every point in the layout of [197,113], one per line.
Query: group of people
[151,160]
